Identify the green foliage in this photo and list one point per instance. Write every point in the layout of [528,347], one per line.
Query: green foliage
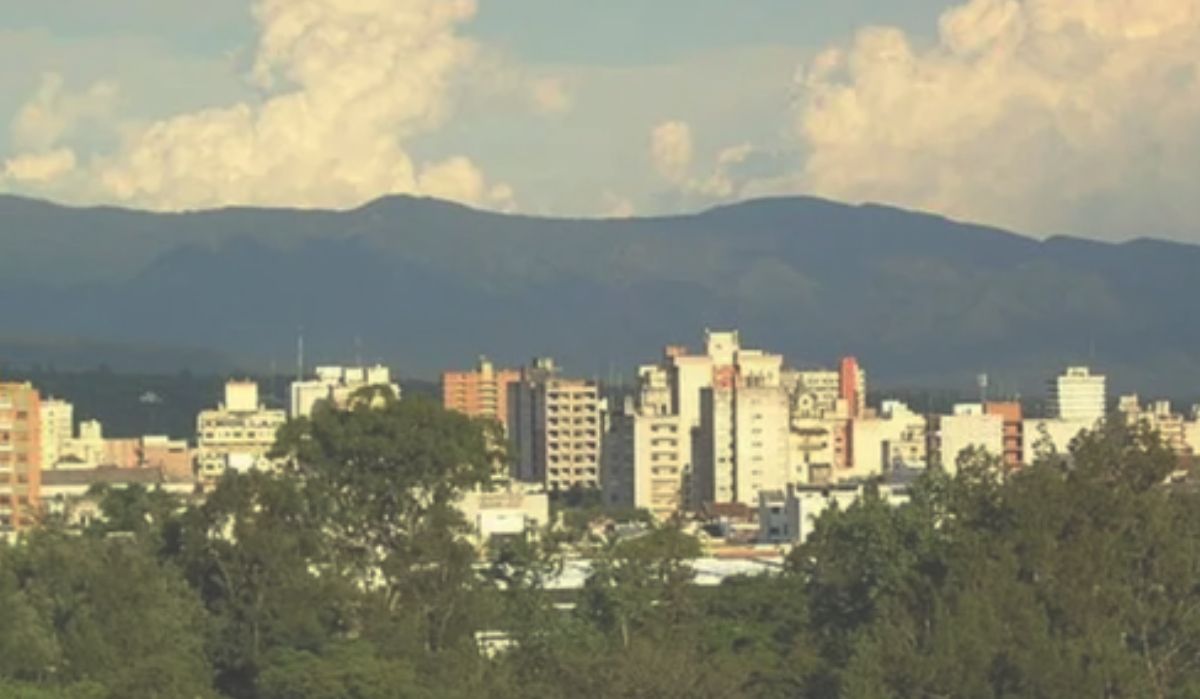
[348,577]
[345,671]
[101,612]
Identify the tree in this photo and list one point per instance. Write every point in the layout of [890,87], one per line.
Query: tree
[382,480]
[252,553]
[105,612]
[636,580]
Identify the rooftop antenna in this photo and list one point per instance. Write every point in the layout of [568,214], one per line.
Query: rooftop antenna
[982,380]
[358,355]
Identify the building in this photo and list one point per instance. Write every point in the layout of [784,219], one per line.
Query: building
[482,393]
[1051,437]
[171,456]
[852,386]
[20,456]
[66,492]
[815,393]
[790,516]
[58,428]
[556,426]
[1014,432]
[335,385]
[1078,395]
[970,427]
[514,513]
[1171,427]
[237,435]
[743,444]
[744,424]
[879,443]
[645,456]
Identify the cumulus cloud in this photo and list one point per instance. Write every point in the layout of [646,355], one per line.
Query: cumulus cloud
[738,171]
[38,168]
[346,85]
[671,150]
[1043,115]
[54,112]
[458,179]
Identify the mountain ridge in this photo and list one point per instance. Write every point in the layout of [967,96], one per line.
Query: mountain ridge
[428,285]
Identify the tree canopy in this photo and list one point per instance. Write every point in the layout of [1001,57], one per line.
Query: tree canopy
[347,575]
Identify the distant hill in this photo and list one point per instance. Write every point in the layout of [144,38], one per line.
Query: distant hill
[425,285]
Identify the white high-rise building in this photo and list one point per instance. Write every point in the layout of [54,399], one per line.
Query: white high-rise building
[742,445]
[1078,395]
[645,460]
[335,385]
[238,434]
[57,421]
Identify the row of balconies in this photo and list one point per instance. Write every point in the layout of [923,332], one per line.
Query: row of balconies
[575,458]
[589,420]
[561,472]
[571,448]
[572,436]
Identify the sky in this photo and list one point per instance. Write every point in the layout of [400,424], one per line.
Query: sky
[1047,117]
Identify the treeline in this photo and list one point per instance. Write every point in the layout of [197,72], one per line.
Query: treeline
[348,577]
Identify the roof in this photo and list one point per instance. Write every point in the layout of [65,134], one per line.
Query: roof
[109,476]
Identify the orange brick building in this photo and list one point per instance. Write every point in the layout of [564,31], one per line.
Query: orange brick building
[480,393]
[20,456]
[1014,438]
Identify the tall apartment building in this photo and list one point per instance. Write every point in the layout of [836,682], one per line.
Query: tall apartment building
[482,393]
[647,449]
[1078,395]
[1012,416]
[645,462]
[745,425]
[20,456]
[743,444]
[852,386]
[556,426]
[58,428]
[336,385]
[237,435]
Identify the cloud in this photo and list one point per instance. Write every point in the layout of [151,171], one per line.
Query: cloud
[738,171]
[549,96]
[53,112]
[458,179]
[346,85]
[671,150]
[616,206]
[1043,115]
[38,168]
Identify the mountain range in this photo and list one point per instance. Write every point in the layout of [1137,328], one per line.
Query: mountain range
[425,285]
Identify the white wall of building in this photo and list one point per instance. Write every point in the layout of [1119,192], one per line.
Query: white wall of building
[761,442]
[969,428]
[1051,433]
